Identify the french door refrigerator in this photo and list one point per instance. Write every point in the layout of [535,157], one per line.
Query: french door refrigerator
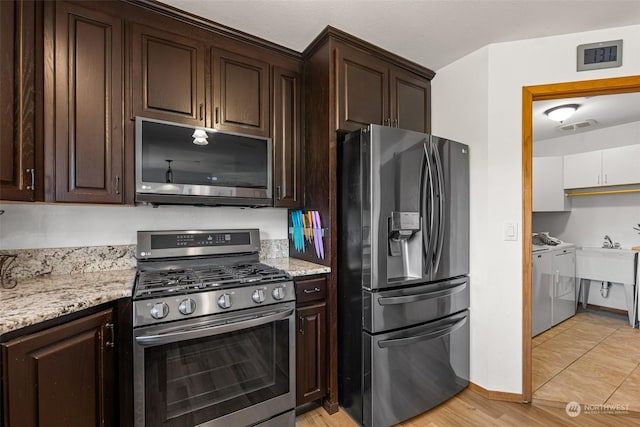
[403,264]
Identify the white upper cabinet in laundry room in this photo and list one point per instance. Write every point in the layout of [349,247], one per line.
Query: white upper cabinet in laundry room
[621,165]
[583,169]
[613,166]
[548,191]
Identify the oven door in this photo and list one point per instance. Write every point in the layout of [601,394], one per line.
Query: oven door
[234,369]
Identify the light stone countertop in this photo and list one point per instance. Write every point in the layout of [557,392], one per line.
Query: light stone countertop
[296,267]
[47,297]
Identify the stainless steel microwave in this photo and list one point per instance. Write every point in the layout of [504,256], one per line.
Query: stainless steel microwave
[181,164]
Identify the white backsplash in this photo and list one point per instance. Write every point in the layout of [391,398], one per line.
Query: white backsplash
[30,225]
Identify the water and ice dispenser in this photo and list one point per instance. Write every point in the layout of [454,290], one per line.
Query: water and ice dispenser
[404,257]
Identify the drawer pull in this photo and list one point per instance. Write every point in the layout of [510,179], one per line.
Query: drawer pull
[112,341]
[311,291]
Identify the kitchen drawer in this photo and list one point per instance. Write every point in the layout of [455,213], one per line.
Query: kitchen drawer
[308,290]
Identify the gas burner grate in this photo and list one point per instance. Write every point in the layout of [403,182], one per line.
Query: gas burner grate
[154,283]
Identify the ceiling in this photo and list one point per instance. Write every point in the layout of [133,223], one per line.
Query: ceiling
[605,110]
[433,33]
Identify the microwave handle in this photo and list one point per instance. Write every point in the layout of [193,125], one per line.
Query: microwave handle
[216,329]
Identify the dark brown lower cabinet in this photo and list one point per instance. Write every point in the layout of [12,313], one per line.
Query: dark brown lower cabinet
[62,376]
[311,340]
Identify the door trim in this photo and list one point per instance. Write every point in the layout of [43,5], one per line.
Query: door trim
[539,93]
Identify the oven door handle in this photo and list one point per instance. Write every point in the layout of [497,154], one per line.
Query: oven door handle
[213,328]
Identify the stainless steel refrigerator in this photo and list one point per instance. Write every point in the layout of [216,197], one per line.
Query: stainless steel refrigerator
[403,261]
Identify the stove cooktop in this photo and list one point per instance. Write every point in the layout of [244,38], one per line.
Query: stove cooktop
[156,283]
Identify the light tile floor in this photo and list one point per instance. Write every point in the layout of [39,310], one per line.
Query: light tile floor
[591,358]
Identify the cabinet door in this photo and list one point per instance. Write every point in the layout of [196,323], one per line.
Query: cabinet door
[240,93]
[17,100]
[410,97]
[286,139]
[363,89]
[63,376]
[541,292]
[167,76]
[621,165]
[311,353]
[548,188]
[564,285]
[583,170]
[89,140]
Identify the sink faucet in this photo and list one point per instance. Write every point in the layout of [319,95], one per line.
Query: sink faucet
[608,243]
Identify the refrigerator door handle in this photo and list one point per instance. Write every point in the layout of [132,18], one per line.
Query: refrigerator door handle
[428,237]
[441,209]
[459,287]
[448,329]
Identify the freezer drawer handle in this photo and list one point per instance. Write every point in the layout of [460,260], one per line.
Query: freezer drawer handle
[424,337]
[459,287]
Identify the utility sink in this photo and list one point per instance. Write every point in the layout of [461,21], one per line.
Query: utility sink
[607,265]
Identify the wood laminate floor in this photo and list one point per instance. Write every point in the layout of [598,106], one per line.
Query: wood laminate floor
[591,358]
[468,409]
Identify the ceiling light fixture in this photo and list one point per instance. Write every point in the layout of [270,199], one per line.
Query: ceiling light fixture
[561,112]
[200,137]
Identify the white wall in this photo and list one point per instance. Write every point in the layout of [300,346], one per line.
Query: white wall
[25,225]
[495,128]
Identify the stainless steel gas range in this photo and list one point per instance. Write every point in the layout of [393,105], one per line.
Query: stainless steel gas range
[214,339]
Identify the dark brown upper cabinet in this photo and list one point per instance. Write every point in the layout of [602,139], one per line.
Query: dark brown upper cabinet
[167,76]
[84,137]
[286,139]
[363,89]
[410,100]
[62,376]
[240,93]
[21,175]
[374,91]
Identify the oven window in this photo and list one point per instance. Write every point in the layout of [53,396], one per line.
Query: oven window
[191,382]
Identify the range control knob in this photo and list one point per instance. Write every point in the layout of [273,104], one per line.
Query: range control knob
[159,310]
[258,296]
[224,301]
[278,292]
[187,306]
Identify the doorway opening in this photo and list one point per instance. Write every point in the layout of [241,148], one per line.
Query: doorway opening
[529,95]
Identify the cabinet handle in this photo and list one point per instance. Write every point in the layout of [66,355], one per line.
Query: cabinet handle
[117,189]
[395,123]
[217,119]
[278,195]
[386,122]
[311,291]
[201,111]
[301,324]
[605,179]
[112,342]
[598,179]
[32,173]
